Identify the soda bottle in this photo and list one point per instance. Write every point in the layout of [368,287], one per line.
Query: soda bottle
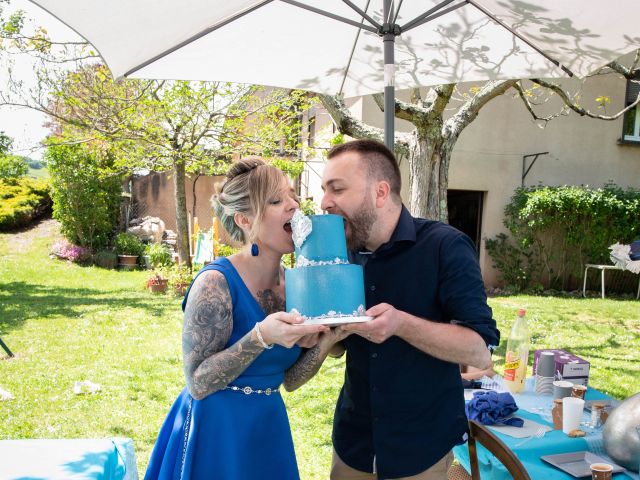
[516,358]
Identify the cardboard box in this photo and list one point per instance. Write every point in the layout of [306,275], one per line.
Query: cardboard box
[568,366]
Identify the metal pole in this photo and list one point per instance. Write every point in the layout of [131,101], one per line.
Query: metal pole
[5,348]
[388,40]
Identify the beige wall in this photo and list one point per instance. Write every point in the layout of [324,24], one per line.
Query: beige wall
[488,154]
[153,196]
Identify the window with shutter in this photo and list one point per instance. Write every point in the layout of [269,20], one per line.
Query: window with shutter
[631,124]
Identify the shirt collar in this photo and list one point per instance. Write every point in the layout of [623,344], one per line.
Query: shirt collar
[405,231]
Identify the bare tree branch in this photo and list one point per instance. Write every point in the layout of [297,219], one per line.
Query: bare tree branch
[566,98]
[353,127]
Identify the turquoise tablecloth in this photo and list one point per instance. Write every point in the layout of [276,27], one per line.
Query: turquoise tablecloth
[538,408]
[103,459]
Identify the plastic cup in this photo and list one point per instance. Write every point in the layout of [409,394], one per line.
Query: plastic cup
[562,388]
[546,364]
[601,471]
[578,391]
[572,409]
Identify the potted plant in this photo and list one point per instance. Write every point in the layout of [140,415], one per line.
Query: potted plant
[157,282]
[157,255]
[180,278]
[129,248]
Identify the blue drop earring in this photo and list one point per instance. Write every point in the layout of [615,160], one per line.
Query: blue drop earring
[254,250]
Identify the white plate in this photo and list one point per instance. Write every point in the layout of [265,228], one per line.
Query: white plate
[577,464]
[336,320]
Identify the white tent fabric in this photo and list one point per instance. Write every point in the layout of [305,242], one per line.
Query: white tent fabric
[277,43]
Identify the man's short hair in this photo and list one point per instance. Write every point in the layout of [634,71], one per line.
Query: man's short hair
[380,162]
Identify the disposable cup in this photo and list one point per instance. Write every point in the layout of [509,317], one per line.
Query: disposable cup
[572,409]
[546,364]
[562,388]
[601,471]
[578,391]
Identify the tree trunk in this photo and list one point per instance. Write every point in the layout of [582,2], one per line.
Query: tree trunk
[182,225]
[429,176]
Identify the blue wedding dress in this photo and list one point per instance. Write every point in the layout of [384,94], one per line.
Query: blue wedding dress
[231,435]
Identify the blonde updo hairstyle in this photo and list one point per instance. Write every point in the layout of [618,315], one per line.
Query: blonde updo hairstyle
[249,186]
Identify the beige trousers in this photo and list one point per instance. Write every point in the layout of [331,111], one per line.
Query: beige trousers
[342,471]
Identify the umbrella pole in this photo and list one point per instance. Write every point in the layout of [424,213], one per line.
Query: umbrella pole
[388,40]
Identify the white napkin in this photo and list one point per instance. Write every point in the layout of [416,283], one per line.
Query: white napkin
[527,430]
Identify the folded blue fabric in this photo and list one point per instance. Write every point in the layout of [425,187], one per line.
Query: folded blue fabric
[493,408]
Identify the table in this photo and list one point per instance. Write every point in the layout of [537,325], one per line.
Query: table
[602,268]
[533,407]
[104,459]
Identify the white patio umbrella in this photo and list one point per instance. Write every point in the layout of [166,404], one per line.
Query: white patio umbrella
[352,47]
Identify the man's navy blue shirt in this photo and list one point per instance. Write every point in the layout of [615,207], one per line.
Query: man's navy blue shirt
[399,406]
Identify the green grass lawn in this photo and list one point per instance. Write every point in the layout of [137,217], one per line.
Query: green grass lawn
[42,173]
[67,323]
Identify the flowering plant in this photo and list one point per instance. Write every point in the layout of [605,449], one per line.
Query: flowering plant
[156,278]
[68,251]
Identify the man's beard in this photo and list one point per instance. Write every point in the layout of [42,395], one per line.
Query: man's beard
[360,226]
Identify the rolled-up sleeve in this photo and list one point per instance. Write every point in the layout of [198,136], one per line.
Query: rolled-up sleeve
[461,289]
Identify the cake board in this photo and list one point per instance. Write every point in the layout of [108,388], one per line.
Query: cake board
[335,321]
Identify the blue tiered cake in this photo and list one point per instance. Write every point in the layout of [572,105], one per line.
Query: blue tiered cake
[324,287]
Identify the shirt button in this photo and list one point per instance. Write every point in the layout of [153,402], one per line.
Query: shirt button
[374,355]
[372,288]
[374,388]
[375,419]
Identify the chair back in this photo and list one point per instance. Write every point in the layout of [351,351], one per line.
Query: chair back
[481,434]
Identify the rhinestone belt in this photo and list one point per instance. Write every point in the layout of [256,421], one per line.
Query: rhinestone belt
[248,390]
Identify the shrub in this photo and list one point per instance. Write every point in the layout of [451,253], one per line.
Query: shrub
[106,259]
[159,255]
[22,201]
[65,250]
[128,244]
[556,230]
[13,166]
[86,194]
[225,250]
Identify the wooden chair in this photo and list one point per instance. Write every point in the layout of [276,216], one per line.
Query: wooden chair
[479,433]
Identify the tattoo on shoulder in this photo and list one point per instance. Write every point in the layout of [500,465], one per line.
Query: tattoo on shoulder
[270,301]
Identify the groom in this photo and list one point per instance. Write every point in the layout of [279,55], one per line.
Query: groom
[401,408]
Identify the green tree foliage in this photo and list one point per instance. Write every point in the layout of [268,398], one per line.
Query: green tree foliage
[85,191]
[11,166]
[556,230]
[184,127]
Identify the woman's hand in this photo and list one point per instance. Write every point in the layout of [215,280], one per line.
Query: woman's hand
[286,329]
[325,339]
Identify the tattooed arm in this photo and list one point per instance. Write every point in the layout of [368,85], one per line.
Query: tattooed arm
[208,321]
[310,361]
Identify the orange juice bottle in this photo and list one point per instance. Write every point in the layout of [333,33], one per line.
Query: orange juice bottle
[516,358]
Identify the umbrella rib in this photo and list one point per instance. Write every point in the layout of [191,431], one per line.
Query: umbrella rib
[520,36]
[363,13]
[418,20]
[435,15]
[331,15]
[395,18]
[197,36]
[353,49]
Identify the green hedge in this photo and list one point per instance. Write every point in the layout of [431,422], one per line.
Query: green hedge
[556,230]
[22,201]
